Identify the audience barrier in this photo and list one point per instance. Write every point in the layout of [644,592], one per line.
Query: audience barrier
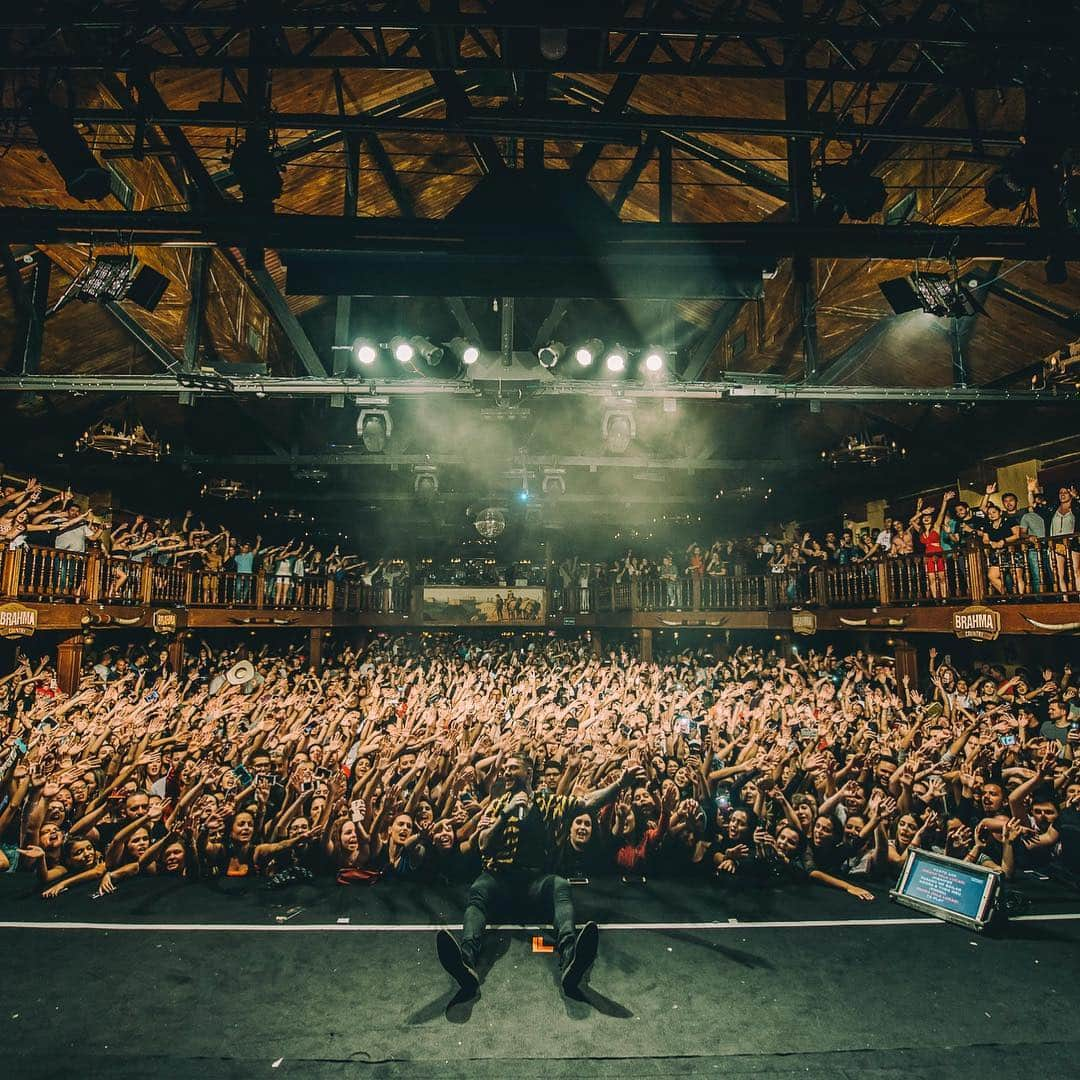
[1032,569]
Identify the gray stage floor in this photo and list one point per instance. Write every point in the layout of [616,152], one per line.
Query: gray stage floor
[163,982]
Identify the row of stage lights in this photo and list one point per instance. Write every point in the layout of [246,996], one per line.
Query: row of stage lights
[617,360]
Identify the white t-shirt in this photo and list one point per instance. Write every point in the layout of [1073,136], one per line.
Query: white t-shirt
[72,538]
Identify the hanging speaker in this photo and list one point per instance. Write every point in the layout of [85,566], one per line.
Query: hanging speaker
[147,288]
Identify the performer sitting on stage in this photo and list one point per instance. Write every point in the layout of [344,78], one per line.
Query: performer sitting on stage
[518,841]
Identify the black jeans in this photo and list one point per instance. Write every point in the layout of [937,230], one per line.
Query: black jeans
[512,890]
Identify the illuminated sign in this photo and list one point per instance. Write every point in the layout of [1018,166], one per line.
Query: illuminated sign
[164,622]
[17,620]
[978,623]
[804,622]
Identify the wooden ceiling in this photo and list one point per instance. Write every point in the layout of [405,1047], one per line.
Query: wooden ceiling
[427,176]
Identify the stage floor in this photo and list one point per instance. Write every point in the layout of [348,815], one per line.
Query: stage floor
[327,981]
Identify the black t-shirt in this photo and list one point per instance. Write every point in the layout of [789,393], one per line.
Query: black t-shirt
[1068,827]
[532,837]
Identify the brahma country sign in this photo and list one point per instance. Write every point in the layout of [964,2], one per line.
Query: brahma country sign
[977,622]
[17,620]
[466,604]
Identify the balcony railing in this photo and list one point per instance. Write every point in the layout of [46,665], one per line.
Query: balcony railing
[1029,570]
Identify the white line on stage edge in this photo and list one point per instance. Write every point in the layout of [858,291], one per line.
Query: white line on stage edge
[416,928]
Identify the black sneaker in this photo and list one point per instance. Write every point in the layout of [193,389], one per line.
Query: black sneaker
[588,941]
[451,958]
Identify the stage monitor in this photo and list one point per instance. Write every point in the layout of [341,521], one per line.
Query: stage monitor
[950,889]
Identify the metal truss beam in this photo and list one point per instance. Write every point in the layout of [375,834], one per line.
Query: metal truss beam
[427,239]
[496,123]
[406,15]
[587,503]
[382,392]
[743,466]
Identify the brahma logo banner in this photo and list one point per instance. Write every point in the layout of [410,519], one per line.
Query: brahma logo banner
[17,620]
[977,623]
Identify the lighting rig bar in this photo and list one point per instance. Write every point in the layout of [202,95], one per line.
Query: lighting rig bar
[402,239]
[381,392]
[742,466]
[479,123]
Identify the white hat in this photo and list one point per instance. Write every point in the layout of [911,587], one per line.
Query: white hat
[240,673]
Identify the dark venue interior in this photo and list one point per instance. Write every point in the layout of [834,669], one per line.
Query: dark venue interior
[540,539]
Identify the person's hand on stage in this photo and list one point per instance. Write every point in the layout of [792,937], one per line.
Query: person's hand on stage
[860,894]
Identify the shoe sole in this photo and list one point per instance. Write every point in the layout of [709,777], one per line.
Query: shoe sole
[585,949]
[449,953]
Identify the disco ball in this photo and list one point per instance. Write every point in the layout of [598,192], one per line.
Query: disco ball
[490,523]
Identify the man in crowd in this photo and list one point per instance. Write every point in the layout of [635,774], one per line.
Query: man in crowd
[518,841]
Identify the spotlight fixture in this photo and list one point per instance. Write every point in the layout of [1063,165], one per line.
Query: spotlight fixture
[1010,187]
[554,482]
[654,360]
[550,354]
[852,189]
[374,427]
[426,481]
[127,440]
[256,172]
[936,294]
[618,427]
[115,277]
[1057,273]
[864,450]
[431,354]
[404,351]
[586,353]
[228,490]
[84,177]
[364,351]
[615,361]
[466,352]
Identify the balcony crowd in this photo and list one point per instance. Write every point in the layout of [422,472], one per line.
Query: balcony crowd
[948,549]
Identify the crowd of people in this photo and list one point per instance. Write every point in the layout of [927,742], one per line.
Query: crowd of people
[224,565]
[747,769]
[1031,546]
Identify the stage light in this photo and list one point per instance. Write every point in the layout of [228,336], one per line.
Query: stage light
[619,427]
[615,361]
[1010,187]
[551,354]
[585,354]
[852,188]
[256,172]
[365,352]
[654,360]
[1057,273]
[466,352]
[426,481]
[115,277]
[374,427]
[84,177]
[403,349]
[554,482]
[431,354]
[523,496]
[936,294]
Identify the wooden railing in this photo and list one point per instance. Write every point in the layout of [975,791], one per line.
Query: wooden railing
[1031,569]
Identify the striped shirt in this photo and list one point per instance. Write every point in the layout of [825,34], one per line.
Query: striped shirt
[554,811]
